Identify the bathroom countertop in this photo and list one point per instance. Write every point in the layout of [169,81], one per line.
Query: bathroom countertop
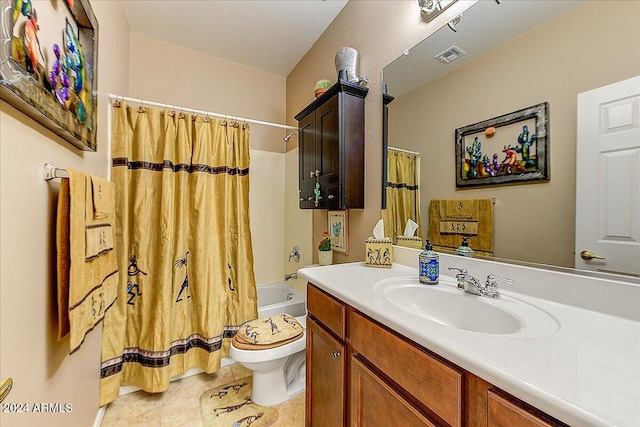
[586,373]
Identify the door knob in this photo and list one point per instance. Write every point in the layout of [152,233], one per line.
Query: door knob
[588,255]
[335,355]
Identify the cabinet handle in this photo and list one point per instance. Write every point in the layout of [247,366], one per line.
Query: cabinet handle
[331,197]
[309,198]
[302,199]
[312,173]
[335,355]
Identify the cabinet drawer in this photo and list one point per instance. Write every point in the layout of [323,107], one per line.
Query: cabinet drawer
[505,413]
[328,310]
[436,384]
[374,403]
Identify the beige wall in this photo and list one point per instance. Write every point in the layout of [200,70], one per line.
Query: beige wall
[380,31]
[171,74]
[42,369]
[573,53]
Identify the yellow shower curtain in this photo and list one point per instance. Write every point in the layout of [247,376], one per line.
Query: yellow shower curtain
[403,193]
[185,255]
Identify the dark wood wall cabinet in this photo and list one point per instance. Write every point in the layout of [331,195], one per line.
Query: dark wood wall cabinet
[331,149]
[362,374]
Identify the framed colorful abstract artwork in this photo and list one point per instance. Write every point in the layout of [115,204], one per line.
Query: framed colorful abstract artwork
[512,148]
[48,63]
[338,223]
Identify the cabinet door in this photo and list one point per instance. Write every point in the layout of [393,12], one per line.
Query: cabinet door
[307,152]
[328,142]
[503,413]
[374,403]
[325,378]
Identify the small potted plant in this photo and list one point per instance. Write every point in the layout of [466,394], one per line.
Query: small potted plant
[321,87]
[325,253]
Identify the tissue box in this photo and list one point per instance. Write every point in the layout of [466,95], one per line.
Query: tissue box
[378,252]
[409,242]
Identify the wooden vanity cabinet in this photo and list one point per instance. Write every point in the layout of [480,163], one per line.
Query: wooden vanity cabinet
[331,149]
[326,360]
[362,374]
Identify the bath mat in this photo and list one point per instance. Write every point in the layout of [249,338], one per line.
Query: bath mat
[231,406]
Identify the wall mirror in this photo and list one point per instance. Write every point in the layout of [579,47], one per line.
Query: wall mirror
[510,56]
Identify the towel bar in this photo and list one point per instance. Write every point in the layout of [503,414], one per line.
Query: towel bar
[52,172]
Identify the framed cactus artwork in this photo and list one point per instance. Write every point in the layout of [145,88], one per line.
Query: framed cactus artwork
[512,148]
[48,63]
[338,224]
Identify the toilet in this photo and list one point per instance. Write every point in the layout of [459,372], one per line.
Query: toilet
[278,372]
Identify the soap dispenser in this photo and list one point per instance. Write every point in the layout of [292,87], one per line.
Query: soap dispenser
[464,249]
[429,265]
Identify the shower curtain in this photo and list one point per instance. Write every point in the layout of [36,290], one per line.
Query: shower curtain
[403,193]
[184,246]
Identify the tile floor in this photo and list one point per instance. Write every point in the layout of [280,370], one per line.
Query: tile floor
[180,405]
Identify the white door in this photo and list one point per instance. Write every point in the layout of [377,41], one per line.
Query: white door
[608,178]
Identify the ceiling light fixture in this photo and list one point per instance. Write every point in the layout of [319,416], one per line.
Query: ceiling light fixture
[429,9]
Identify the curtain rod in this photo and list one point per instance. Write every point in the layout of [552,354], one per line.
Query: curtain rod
[402,150]
[201,112]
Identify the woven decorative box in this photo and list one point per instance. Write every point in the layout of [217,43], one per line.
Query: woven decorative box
[409,242]
[378,252]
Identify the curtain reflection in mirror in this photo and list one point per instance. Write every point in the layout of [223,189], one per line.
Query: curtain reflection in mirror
[403,193]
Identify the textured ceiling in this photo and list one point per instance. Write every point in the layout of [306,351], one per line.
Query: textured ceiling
[270,35]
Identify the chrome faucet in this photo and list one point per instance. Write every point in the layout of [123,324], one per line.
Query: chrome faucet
[470,284]
[290,276]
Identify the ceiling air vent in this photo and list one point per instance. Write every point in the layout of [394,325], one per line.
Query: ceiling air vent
[450,54]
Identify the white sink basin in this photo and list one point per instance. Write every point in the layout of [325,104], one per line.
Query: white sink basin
[452,307]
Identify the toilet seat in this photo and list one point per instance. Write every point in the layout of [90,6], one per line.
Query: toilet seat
[253,356]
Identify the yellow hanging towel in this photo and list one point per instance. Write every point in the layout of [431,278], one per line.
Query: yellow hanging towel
[86,257]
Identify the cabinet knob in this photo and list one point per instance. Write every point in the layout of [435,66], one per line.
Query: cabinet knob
[310,198]
[302,199]
[331,197]
[335,355]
